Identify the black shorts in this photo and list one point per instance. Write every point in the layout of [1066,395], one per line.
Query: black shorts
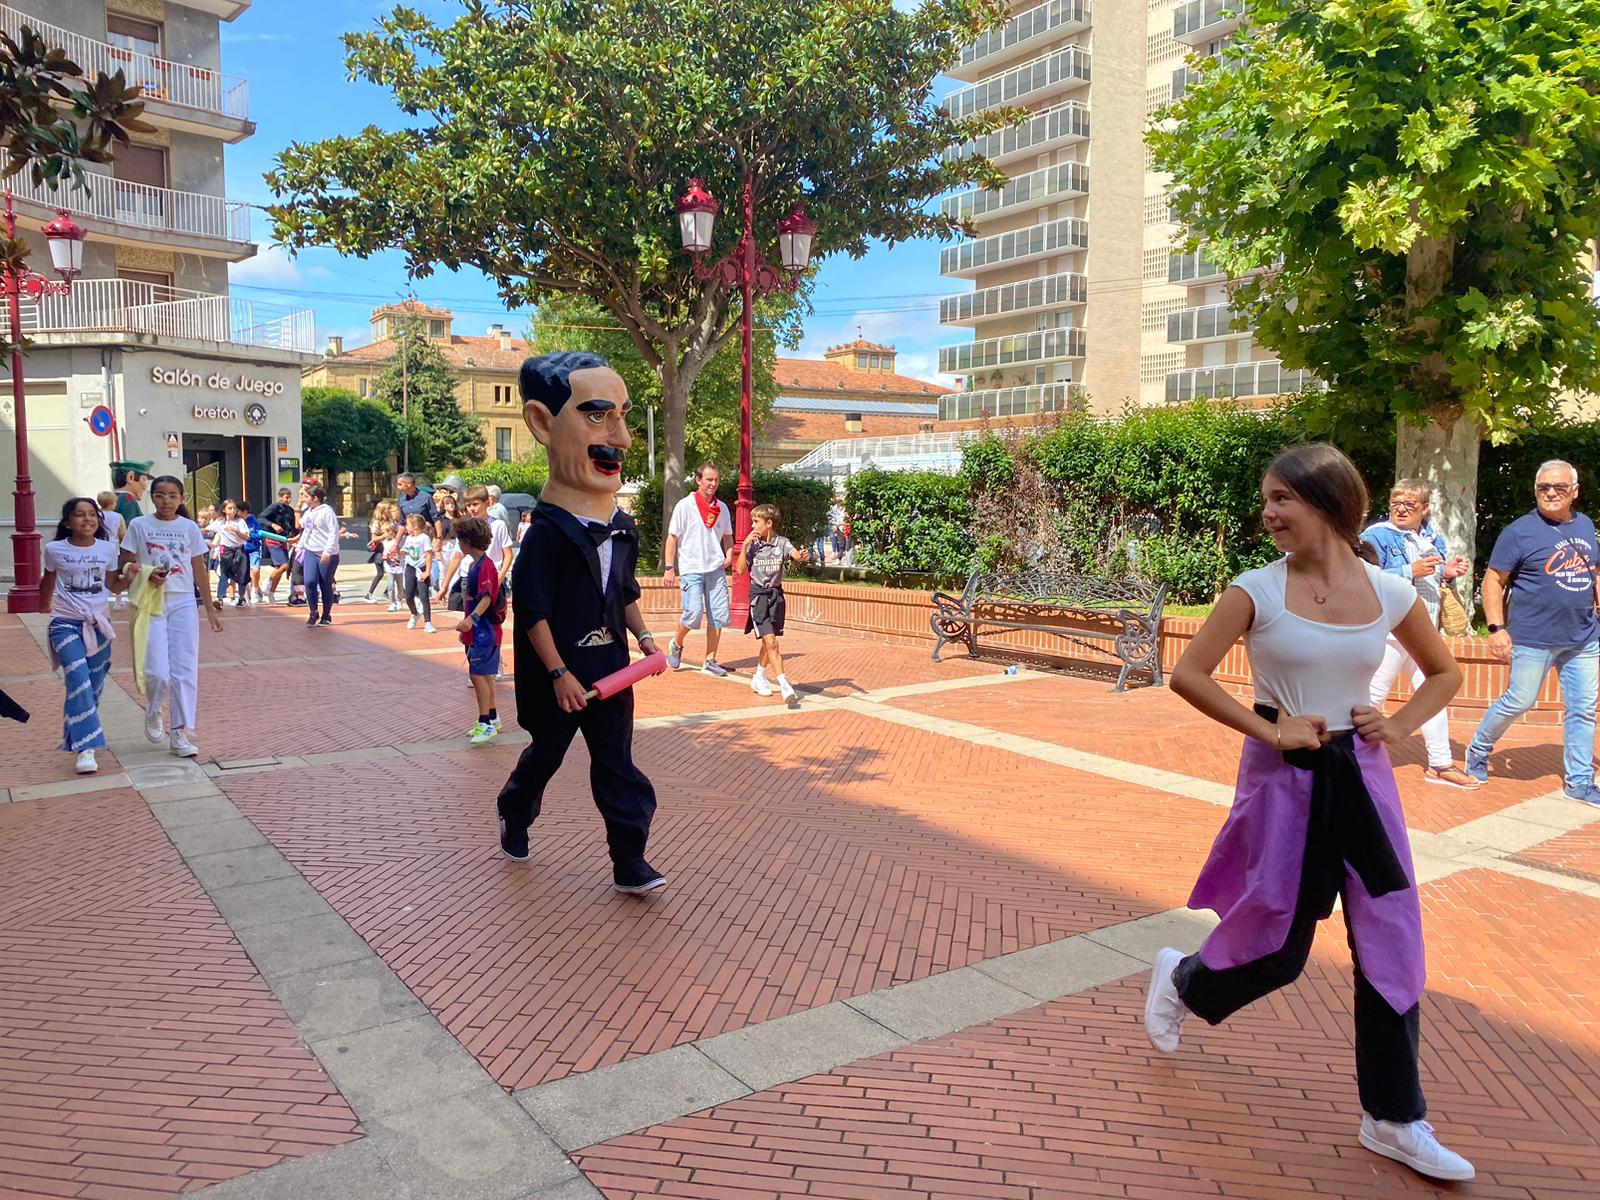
[768,607]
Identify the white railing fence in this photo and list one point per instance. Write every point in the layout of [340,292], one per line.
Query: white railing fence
[138,204]
[161,78]
[123,305]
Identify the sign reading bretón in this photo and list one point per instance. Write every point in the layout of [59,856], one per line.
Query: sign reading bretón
[217,381]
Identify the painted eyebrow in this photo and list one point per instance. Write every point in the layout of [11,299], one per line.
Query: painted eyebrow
[596,405]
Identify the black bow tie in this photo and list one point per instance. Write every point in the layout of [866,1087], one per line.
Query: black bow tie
[601,534]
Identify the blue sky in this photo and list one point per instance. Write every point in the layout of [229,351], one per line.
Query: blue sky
[298,91]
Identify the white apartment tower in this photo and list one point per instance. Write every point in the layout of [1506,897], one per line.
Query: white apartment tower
[202,383]
[1055,306]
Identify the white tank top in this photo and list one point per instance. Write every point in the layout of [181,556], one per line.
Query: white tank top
[1306,668]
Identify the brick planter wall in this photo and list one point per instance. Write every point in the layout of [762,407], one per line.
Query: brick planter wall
[899,616]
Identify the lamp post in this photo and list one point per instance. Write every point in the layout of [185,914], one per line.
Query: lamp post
[744,268]
[65,237]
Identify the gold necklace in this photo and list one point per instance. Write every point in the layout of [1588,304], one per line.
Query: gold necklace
[1323,599]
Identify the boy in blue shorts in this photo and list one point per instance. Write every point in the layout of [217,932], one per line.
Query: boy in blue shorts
[485,612]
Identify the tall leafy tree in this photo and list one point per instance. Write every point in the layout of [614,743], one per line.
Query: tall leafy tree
[422,396]
[1419,181]
[53,119]
[342,431]
[711,423]
[552,139]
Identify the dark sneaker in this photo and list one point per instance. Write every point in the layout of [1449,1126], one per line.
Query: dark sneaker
[636,881]
[1586,792]
[326,620]
[311,620]
[513,845]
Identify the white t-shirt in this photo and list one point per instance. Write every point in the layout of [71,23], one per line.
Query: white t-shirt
[1307,668]
[699,547]
[415,549]
[80,592]
[499,539]
[232,534]
[157,543]
[112,520]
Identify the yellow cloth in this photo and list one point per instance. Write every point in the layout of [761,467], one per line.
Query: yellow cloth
[148,600]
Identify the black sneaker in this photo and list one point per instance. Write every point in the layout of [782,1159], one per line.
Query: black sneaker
[636,881]
[513,845]
[326,620]
[311,620]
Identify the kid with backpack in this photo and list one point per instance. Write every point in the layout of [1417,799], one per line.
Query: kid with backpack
[480,625]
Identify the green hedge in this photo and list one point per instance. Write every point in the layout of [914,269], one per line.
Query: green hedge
[803,506]
[525,475]
[910,521]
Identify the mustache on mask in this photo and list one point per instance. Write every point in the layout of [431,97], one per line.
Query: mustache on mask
[606,454]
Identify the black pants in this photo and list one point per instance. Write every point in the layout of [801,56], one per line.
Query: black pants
[623,795]
[234,568]
[1386,1041]
[418,584]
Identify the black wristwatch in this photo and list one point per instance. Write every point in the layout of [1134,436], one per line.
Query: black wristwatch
[1494,628]
[558,673]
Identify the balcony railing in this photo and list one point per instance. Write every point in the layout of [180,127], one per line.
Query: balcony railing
[1192,267]
[1197,22]
[1052,291]
[1053,72]
[125,306]
[1060,182]
[1239,379]
[1206,322]
[1041,346]
[137,204]
[1064,123]
[162,79]
[1053,18]
[1062,236]
[1011,402]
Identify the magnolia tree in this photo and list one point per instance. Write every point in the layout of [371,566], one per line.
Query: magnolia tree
[551,140]
[1418,182]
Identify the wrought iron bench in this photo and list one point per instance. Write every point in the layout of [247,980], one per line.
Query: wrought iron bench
[1120,618]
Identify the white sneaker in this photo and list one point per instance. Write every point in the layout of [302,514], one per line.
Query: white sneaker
[427,627]
[1164,1010]
[760,686]
[411,624]
[182,746]
[152,723]
[85,764]
[1414,1145]
[393,607]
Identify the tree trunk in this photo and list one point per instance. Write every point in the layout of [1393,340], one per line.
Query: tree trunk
[1444,451]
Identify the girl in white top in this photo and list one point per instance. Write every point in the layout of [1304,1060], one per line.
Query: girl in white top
[172,544]
[1316,815]
[80,573]
[228,537]
[319,542]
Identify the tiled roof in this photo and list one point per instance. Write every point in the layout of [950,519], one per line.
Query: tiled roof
[862,344]
[412,307]
[465,353]
[812,376]
[843,404]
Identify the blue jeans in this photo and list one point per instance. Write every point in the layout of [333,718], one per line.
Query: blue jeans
[1578,668]
[319,582]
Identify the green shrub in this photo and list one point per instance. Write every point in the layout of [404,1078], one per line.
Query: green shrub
[525,475]
[910,522]
[803,506]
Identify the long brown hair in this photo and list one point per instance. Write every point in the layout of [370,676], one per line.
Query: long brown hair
[1328,481]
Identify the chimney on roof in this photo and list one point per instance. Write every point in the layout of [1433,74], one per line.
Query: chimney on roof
[505,340]
[496,329]
[335,345]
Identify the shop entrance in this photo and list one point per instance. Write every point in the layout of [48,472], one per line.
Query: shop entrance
[227,468]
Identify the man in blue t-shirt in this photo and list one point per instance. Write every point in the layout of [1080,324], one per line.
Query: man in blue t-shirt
[1545,563]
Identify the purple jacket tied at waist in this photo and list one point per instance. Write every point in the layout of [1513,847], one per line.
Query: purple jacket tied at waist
[1356,838]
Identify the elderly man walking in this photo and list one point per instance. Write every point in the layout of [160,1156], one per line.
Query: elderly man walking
[698,553]
[1544,564]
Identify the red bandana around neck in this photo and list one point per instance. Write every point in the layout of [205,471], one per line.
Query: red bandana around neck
[710,510]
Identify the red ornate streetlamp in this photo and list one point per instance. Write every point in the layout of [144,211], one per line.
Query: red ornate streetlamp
[65,237]
[744,268]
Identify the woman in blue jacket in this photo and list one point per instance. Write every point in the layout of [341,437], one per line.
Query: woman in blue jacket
[1409,546]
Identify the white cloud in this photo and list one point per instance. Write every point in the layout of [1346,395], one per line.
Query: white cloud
[912,334]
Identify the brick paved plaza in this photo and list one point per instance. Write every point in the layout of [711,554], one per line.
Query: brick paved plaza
[902,954]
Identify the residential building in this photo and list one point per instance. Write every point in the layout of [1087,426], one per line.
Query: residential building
[200,382]
[852,392]
[486,370]
[1055,305]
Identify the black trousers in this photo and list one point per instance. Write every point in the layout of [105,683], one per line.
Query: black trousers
[1386,1041]
[419,587]
[623,795]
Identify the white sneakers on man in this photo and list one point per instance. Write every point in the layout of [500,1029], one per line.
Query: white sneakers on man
[1164,1010]
[181,745]
[1413,1143]
[86,764]
[759,684]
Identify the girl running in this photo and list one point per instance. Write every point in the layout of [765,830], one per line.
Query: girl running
[172,546]
[80,571]
[233,572]
[418,552]
[1316,814]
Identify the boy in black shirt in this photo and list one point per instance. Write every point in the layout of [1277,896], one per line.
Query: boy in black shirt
[575,599]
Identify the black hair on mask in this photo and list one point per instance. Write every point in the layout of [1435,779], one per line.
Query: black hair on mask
[547,378]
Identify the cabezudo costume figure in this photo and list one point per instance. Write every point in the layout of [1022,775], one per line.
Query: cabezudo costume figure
[575,600]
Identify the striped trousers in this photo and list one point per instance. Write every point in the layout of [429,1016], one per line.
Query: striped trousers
[85,677]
